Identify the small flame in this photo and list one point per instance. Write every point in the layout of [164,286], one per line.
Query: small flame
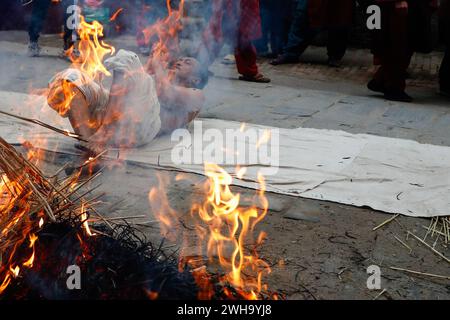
[5,283]
[115,15]
[15,271]
[29,262]
[167,217]
[152,295]
[84,218]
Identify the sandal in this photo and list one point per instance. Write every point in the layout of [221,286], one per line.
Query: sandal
[255,78]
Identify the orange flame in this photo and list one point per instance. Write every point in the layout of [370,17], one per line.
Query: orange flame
[89,57]
[115,15]
[84,218]
[164,33]
[229,228]
[164,213]
[13,196]
[92,51]
[224,230]
[29,262]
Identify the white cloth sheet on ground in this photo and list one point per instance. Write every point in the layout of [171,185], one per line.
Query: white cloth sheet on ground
[386,174]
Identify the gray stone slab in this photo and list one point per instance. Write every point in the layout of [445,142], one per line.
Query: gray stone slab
[410,116]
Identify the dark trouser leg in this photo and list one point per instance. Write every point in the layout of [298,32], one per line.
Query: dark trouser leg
[396,54]
[38,15]
[444,72]
[337,42]
[280,25]
[245,54]
[262,44]
[300,34]
[68,32]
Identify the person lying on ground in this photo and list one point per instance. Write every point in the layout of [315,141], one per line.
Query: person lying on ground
[137,108]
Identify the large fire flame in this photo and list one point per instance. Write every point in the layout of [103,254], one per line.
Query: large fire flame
[229,227]
[163,35]
[225,230]
[91,49]
[86,55]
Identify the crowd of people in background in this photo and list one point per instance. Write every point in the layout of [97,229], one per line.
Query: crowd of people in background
[290,26]
[283,30]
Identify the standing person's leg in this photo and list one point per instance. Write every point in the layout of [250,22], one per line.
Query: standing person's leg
[38,15]
[279,26]
[262,44]
[399,57]
[299,37]
[245,54]
[395,55]
[337,45]
[68,31]
[444,71]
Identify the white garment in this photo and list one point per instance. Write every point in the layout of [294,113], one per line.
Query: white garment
[140,121]
[95,95]
[136,111]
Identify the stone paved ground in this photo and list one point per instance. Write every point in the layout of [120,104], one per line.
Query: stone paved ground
[318,249]
[307,94]
[357,66]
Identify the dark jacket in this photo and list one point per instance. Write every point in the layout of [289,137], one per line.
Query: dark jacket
[330,13]
[444,21]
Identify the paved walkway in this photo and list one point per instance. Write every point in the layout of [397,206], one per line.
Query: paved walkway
[308,94]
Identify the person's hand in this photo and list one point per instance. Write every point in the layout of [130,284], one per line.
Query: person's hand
[95,144]
[403,5]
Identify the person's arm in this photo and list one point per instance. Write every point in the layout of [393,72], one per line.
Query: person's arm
[176,97]
[188,101]
[173,96]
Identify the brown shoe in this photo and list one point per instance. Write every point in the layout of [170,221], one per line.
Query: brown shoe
[255,78]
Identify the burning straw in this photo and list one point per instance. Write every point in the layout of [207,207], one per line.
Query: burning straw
[44,229]
[28,201]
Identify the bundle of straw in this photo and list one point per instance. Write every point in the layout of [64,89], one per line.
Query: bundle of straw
[52,213]
[28,199]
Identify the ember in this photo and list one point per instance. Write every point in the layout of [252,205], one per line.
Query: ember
[119,264]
